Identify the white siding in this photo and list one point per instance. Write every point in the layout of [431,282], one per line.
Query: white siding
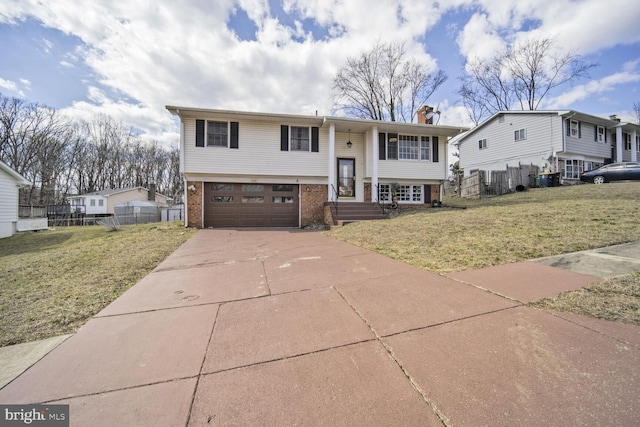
[8,204]
[96,209]
[410,169]
[258,154]
[543,136]
[356,152]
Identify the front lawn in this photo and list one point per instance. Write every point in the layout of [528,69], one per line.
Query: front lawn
[54,281]
[468,234]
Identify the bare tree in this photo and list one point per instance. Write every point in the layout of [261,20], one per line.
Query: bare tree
[636,110]
[523,75]
[60,157]
[383,84]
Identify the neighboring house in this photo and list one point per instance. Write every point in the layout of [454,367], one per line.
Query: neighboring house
[566,141]
[10,183]
[259,169]
[104,202]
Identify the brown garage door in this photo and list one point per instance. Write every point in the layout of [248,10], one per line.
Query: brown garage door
[250,205]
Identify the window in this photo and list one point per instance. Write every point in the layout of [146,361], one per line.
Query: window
[408,147]
[277,188]
[600,135]
[404,193]
[217,134]
[482,144]
[520,135]
[573,168]
[392,148]
[100,202]
[299,138]
[574,128]
[222,187]
[416,193]
[252,188]
[627,141]
[384,193]
[637,142]
[252,199]
[425,148]
[93,202]
[411,147]
[281,199]
[222,199]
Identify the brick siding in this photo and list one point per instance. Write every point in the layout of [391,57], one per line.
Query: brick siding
[312,198]
[194,205]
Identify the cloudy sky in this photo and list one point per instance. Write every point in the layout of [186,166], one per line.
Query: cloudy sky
[129,59]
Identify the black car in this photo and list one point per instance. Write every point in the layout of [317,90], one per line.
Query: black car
[625,171]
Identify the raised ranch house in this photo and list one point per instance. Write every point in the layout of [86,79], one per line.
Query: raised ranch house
[567,142]
[260,169]
[103,203]
[10,183]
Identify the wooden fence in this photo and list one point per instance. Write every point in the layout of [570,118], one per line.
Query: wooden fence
[494,183]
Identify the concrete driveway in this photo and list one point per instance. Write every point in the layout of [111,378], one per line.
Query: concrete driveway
[287,327]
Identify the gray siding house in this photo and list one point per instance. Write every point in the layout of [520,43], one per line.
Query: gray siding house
[563,141]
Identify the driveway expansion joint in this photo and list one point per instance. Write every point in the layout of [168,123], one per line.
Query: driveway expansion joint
[289,357]
[389,351]
[204,358]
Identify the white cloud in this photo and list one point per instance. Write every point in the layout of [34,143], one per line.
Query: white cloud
[479,39]
[11,86]
[592,88]
[145,55]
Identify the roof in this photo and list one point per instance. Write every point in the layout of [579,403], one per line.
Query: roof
[342,124]
[13,174]
[601,121]
[110,191]
[139,203]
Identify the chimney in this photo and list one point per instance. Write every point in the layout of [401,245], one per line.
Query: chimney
[614,118]
[152,192]
[425,115]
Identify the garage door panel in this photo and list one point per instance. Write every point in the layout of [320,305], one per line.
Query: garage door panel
[251,205]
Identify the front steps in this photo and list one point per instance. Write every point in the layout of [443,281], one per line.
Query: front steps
[355,211]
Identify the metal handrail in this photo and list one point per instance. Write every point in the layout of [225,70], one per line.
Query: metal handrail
[378,198]
[334,202]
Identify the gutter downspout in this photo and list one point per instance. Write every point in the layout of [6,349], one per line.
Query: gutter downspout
[186,205]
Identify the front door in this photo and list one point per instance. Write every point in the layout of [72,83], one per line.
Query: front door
[347,177]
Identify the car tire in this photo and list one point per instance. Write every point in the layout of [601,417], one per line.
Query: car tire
[598,179]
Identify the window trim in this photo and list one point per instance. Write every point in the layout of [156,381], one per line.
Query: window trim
[202,134]
[411,193]
[207,144]
[392,147]
[308,128]
[411,144]
[482,144]
[601,134]
[571,128]
[520,134]
[425,140]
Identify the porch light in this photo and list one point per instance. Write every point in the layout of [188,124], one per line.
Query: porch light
[349,144]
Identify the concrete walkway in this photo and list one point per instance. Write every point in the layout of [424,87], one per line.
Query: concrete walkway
[287,327]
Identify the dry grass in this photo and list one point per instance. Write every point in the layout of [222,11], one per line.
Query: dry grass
[510,228]
[517,227]
[616,299]
[54,281]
